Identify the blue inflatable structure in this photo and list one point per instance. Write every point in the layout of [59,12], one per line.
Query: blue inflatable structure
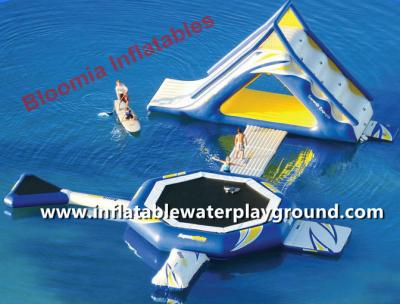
[218,238]
[323,100]
[191,239]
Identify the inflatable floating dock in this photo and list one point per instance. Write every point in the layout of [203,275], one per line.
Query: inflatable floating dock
[262,144]
[191,242]
[326,101]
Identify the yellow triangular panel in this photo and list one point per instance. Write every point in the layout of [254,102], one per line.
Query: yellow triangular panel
[273,42]
[290,19]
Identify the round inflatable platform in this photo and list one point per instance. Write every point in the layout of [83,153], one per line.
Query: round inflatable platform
[219,236]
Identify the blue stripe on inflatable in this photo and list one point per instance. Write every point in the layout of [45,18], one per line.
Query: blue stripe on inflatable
[34,200]
[32,191]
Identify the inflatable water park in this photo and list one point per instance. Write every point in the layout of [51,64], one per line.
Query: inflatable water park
[326,102]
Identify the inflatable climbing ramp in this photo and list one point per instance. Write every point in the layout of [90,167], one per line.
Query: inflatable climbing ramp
[324,100]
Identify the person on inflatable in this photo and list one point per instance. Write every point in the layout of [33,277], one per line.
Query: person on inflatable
[129,114]
[122,93]
[226,164]
[240,141]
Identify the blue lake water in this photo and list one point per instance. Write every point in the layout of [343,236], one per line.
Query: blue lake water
[43,43]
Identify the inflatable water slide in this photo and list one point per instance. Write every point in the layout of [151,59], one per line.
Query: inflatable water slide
[325,102]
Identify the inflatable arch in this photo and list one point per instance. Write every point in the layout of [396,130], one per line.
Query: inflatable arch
[325,101]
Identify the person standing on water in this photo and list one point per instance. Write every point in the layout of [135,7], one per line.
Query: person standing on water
[240,141]
[122,93]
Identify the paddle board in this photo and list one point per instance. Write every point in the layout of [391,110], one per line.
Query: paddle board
[131,125]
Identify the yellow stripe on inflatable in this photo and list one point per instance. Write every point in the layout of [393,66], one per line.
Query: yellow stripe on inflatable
[273,42]
[169,175]
[354,89]
[266,106]
[95,195]
[199,238]
[320,247]
[247,236]
[329,227]
[283,68]
[318,244]
[383,133]
[267,56]
[174,174]
[148,221]
[310,250]
[171,281]
[386,134]
[335,68]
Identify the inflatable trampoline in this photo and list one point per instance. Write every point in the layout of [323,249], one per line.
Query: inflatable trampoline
[221,238]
